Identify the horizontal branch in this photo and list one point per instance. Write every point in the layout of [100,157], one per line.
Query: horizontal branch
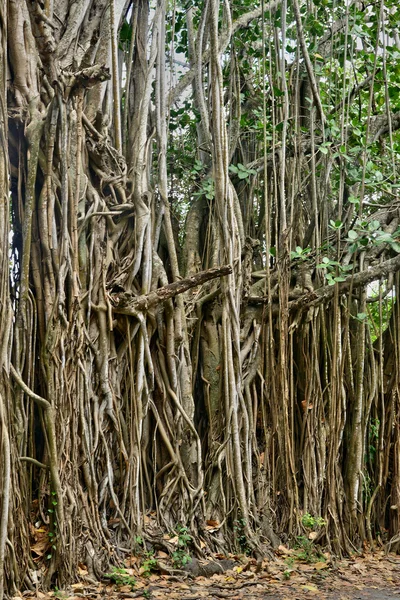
[34,462]
[359,279]
[127,304]
[326,293]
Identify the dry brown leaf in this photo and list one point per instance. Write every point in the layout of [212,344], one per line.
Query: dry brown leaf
[320,565]
[41,546]
[284,550]
[82,570]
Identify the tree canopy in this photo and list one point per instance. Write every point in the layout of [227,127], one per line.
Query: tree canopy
[199,273]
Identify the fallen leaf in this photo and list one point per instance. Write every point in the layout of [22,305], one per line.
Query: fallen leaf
[212,523]
[320,565]
[284,550]
[41,546]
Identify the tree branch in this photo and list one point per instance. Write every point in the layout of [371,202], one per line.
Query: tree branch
[45,404]
[359,279]
[126,304]
[326,293]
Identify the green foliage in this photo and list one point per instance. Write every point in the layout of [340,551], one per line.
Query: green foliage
[373,437]
[239,527]
[181,556]
[207,189]
[307,551]
[53,532]
[378,317]
[241,171]
[300,253]
[371,234]
[120,576]
[335,271]
[286,574]
[149,564]
[311,522]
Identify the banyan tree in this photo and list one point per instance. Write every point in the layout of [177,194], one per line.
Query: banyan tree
[199,273]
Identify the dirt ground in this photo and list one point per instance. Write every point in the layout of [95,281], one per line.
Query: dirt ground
[367,577]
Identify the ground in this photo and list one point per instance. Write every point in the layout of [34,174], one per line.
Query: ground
[290,576]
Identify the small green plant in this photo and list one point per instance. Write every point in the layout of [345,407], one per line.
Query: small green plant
[289,561]
[146,593]
[52,534]
[180,556]
[335,272]
[373,438]
[311,522]
[241,171]
[300,253]
[149,564]
[286,574]
[240,535]
[59,593]
[306,550]
[207,189]
[120,577]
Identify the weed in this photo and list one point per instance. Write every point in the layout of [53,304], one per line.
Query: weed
[286,574]
[149,564]
[146,593]
[307,551]
[290,561]
[239,529]
[180,557]
[311,522]
[120,577]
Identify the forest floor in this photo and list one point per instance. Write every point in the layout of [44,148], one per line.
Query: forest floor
[290,577]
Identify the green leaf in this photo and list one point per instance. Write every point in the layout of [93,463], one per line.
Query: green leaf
[374,225]
[395,246]
[361,316]
[326,260]
[353,235]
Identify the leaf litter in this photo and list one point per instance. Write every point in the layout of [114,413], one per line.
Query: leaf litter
[369,576]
